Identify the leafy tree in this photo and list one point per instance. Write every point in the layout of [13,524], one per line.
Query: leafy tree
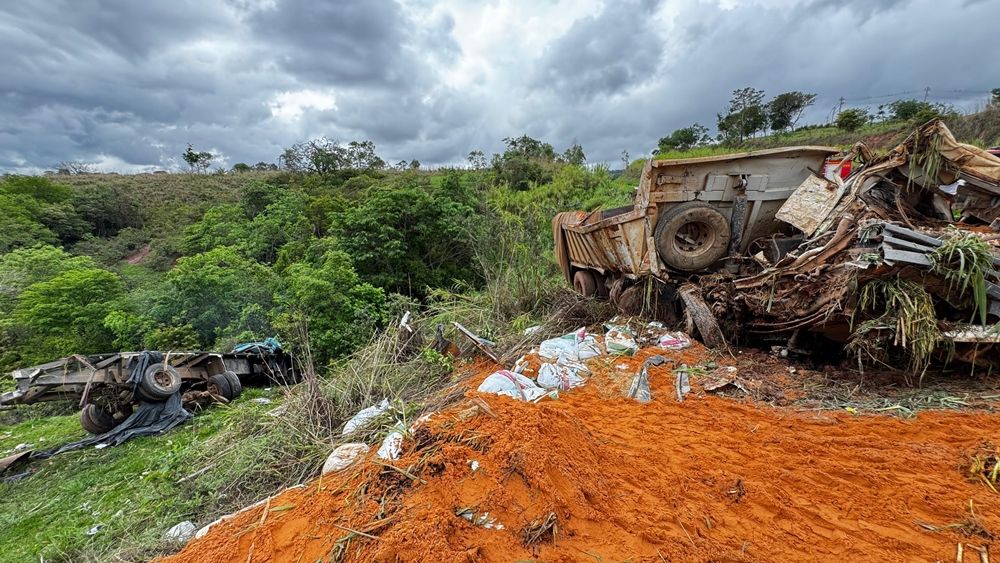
[404,239]
[745,116]
[525,161]
[574,155]
[852,119]
[341,311]
[107,209]
[414,164]
[785,110]
[476,159]
[324,156]
[64,315]
[198,161]
[995,96]
[26,266]
[265,166]
[210,290]
[919,111]
[362,156]
[241,168]
[683,139]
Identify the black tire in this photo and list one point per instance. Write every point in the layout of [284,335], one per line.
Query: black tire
[584,283]
[234,383]
[218,384]
[96,420]
[158,383]
[692,236]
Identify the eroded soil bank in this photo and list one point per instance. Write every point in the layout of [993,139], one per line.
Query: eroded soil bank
[594,476]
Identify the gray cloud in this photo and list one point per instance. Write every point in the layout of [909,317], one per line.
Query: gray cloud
[131,83]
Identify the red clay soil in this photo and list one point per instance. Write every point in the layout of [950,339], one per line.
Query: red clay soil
[706,479]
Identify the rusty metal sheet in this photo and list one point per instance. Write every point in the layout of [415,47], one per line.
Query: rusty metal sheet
[809,204]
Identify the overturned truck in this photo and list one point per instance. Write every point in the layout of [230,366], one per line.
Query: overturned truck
[896,257]
[108,387]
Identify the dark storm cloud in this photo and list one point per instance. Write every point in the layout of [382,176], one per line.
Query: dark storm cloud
[344,42]
[131,83]
[602,54]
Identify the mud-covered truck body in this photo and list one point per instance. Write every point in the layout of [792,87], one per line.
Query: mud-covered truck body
[688,216]
[107,386]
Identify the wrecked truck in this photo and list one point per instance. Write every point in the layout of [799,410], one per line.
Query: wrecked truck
[107,387]
[898,260]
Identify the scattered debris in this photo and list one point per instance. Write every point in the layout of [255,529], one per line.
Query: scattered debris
[619,340]
[482,520]
[539,529]
[575,346]
[365,416]
[898,258]
[343,456]
[392,445]
[515,385]
[485,346]
[181,533]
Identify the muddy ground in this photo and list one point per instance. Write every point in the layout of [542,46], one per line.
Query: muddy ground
[789,462]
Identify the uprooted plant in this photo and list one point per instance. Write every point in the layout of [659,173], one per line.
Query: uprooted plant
[965,260]
[904,318]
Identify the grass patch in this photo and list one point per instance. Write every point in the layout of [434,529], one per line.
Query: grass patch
[131,493]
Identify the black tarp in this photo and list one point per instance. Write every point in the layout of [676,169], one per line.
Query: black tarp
[150,418]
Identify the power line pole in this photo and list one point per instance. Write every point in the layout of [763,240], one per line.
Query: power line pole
[840,104]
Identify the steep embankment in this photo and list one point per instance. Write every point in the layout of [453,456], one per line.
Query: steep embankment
[595,476]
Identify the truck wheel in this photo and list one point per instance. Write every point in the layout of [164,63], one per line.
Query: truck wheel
[692,236]
[96,420]
[584,283]
[158,383]
[234,383]
[218,384]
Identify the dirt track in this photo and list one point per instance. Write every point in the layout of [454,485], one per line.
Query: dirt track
[707,479]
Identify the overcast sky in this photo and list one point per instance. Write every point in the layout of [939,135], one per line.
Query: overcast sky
[126,84]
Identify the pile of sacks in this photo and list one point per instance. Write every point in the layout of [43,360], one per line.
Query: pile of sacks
[564,360]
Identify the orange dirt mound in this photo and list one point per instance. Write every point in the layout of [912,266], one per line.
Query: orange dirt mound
[704,479]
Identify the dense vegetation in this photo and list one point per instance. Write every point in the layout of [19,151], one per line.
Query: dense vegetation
[338,244]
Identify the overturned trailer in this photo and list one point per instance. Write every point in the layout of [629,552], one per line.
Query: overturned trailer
[108,386]
[898,260]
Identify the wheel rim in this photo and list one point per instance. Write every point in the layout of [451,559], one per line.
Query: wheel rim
[162,379]
[694,237]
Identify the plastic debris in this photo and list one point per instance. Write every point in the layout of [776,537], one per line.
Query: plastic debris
[482,520]
[343,456]
[93,531]
[619,340]
[562,375]
[364,416]
[506,382]
[674,341]
[262,401]
[392,446]
[532,330]
[181,532]
[474,465]
[682,381]
[577,346]
[639,390]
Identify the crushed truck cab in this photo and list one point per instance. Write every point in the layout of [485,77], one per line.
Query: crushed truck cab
[689,215]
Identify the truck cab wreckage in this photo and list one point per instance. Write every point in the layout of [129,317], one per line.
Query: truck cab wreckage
[895,257]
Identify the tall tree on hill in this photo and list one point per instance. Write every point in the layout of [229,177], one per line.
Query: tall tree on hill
[785,110]
[683,139]
[745,116]
[199,161]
